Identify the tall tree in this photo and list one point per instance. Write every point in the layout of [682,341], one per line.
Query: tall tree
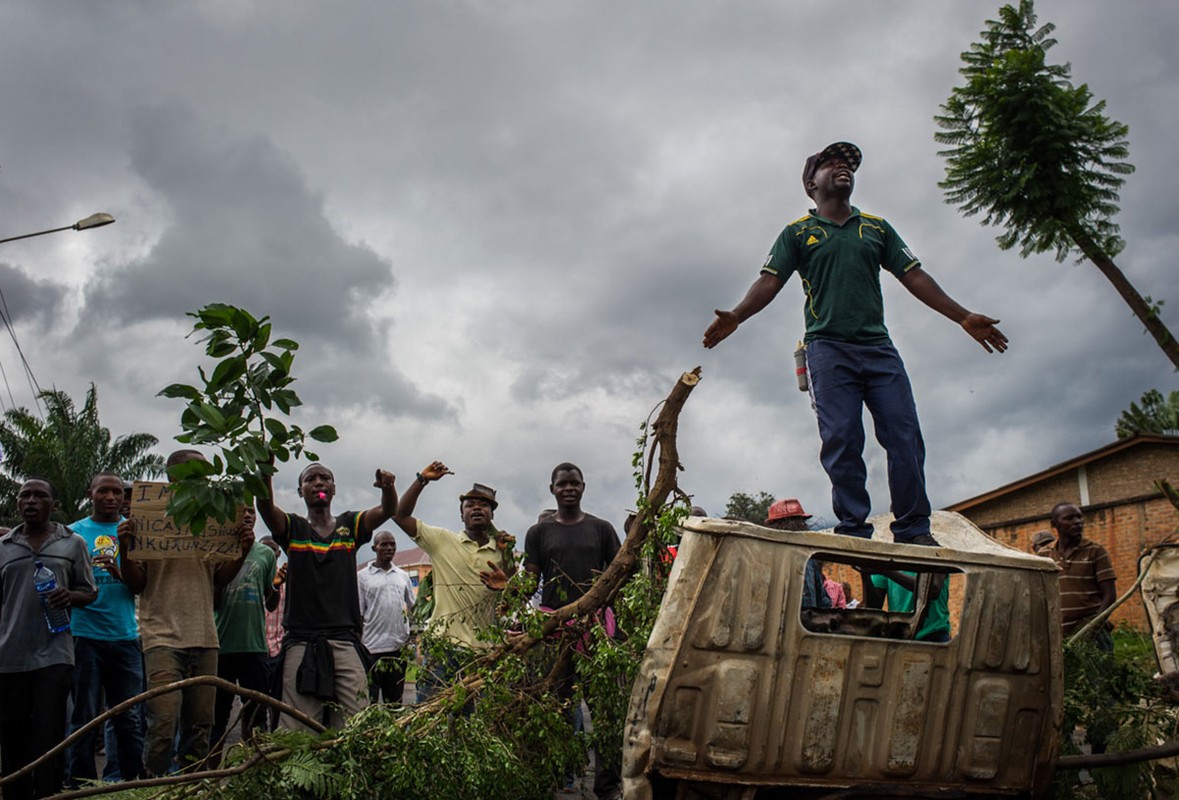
[1033,153]
[1156,414]
[68,447]
[749,507]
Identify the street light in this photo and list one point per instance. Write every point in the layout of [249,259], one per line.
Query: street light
[92,221]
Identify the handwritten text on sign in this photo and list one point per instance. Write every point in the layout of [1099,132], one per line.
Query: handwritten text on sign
[157,535]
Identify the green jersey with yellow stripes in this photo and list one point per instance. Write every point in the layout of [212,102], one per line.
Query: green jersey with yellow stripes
[839,266]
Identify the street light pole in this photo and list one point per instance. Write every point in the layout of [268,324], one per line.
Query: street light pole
[92,221]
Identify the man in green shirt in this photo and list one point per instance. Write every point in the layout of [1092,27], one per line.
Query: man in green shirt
[241,628]
[838,252]
[898,589]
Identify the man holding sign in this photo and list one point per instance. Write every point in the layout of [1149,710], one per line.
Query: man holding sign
[176,585]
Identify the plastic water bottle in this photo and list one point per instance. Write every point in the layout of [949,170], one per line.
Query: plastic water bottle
[58,619]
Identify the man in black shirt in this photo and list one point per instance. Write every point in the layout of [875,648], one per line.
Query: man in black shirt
[568,550]
[323,669]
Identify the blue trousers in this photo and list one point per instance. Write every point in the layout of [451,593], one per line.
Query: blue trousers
[844,379]
[117,668]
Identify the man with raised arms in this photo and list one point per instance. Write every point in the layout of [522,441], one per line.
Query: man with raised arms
[469,568]
[838,252]
[324,664]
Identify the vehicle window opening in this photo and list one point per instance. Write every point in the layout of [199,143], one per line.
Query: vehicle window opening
[888,599]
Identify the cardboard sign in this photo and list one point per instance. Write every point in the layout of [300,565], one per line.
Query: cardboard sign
[157,536]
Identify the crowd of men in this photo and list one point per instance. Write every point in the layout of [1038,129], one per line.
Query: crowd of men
[319,634]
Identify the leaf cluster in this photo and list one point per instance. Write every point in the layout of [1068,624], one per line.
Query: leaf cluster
[749,507]
[1157,414]
[509,741]
[1116,701]
[239,407]
[1027,149]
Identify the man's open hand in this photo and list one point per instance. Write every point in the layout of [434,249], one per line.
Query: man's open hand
[982,329]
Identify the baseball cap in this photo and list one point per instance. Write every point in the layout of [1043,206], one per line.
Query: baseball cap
[845,150]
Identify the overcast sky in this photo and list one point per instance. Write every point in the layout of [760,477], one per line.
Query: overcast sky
[499,229]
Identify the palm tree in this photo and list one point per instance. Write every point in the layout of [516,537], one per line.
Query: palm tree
[68,447]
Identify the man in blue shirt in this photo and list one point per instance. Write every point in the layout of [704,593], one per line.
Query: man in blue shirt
[107,655]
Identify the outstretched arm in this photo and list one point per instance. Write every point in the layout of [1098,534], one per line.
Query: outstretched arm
[375,517]
[763,290]
[980,327]
[273,516]
[409,498]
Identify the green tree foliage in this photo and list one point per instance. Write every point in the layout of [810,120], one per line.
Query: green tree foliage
[749,507]
[1033,153]
[238,408]
[1156,414]
[1117,701]
[68,447]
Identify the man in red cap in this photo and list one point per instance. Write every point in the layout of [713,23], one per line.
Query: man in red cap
[787,515]
[838,252]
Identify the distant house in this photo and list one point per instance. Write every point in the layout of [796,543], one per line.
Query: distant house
[416,562]
[1113,486]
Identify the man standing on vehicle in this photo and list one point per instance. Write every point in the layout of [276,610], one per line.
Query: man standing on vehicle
[838,251]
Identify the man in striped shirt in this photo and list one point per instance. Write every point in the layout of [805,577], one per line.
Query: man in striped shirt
[1087,575]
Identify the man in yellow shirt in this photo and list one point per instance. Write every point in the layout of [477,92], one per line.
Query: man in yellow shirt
[469,568]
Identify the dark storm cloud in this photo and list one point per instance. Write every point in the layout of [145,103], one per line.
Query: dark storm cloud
[572,189]
[25,299]
[246,229]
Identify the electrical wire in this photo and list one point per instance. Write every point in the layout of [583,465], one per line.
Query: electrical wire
[33,385]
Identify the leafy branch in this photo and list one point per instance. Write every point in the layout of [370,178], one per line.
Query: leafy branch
[239,408]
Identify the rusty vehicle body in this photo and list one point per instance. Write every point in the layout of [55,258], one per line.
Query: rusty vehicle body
[1160,595]
[743,693]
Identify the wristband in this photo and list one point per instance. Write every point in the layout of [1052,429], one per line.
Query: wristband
[422,479]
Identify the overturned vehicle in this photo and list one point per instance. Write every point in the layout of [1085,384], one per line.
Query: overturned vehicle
[745,692]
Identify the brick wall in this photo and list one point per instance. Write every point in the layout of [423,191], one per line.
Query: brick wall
[1125,514]
[1029,501]
[1123,530]
[1132,473]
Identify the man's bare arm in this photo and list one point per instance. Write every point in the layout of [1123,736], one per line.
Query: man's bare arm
[980,327]
[375,517]
[1109,594]
[272,516]
[409,498]
[763,290]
